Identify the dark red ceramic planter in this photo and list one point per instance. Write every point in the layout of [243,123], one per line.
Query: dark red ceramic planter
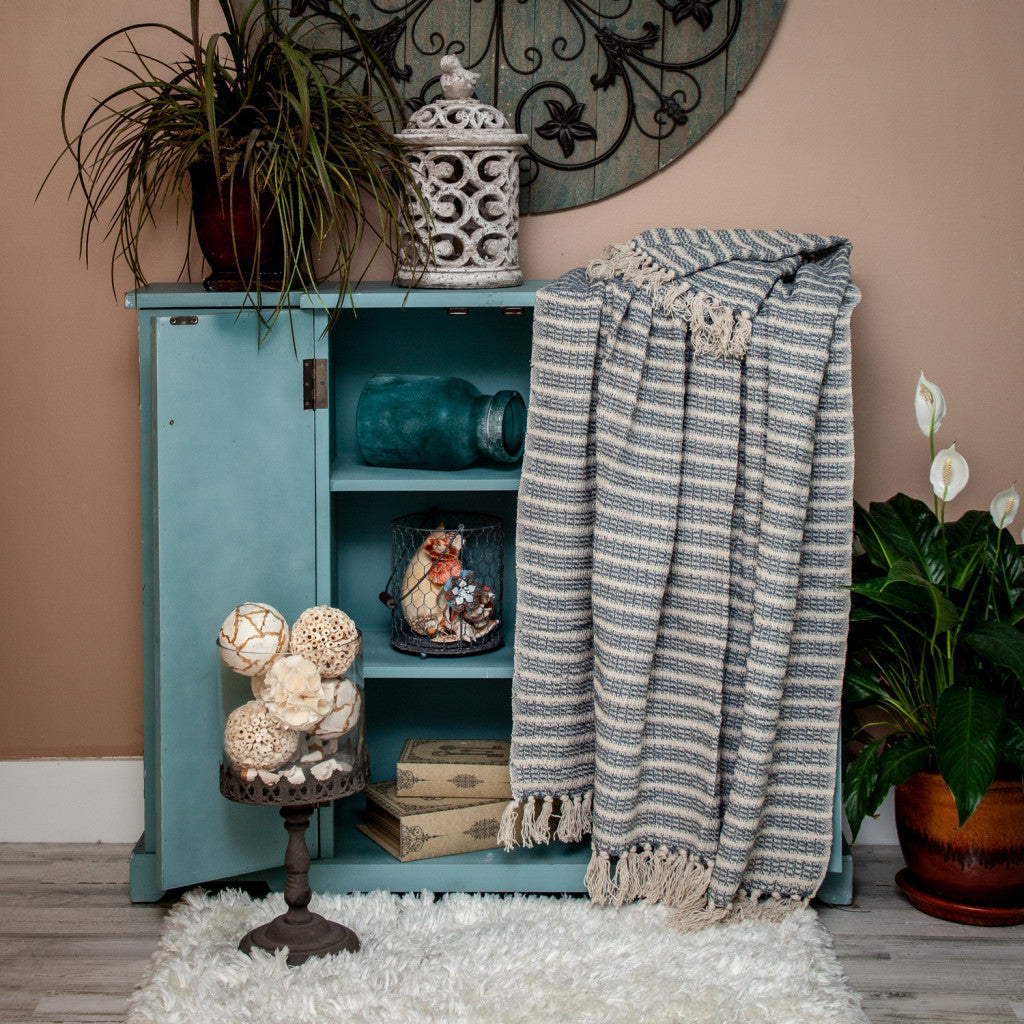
[973,874]
[234,234]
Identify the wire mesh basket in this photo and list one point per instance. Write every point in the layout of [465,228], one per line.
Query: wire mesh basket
[446,583]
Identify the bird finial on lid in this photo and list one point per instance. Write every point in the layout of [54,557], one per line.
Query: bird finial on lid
[456,82]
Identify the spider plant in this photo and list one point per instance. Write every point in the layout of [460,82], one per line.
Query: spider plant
[303,129]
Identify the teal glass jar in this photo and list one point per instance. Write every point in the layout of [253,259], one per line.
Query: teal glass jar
[418,422]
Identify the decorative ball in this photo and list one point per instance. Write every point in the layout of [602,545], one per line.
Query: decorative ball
[251,637]
[328,637]
[344,716]
[294,692]
[253,738]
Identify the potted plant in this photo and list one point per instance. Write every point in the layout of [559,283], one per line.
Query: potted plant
[934,688]
[285,146]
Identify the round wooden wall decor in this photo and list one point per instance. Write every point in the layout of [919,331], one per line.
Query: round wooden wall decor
[607,91]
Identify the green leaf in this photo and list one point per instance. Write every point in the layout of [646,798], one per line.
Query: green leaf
[1009,570]
[1013,741]
[860,684]
[902,760]
[968,731]
[875,590]
[964,563]
[911,528]
[973,527]
[1002,555]
[861,795]
[999,643]
[877,546]
[865,613]
[943,610]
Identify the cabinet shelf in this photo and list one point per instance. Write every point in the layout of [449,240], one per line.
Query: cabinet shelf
[382,661]
[359,864]
[350,473]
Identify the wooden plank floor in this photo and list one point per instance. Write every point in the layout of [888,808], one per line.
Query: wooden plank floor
[72,947]
[909,967]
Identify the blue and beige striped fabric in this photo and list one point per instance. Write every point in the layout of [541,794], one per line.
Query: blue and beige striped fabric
[683,542]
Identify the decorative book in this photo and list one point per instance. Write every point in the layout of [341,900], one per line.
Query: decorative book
[454,768]
[417,827]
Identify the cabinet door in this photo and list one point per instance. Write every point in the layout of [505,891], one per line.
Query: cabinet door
[233,478]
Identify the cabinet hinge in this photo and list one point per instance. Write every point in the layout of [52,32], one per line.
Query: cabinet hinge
[314,383]
[512,310]
[184,321]
[458,310]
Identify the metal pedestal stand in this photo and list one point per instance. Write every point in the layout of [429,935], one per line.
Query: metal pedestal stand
[304,933]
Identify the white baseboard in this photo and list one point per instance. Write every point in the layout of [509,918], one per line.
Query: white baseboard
[62,801]
[100,801]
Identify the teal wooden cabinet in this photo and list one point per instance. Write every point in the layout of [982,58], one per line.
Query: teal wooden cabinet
[253,490]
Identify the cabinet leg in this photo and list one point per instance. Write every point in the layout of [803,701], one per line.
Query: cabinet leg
[304,933]
[143,884]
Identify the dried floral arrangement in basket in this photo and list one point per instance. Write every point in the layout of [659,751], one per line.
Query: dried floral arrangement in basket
[448,601]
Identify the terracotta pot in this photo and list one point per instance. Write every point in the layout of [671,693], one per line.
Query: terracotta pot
[963,870]
[231,231]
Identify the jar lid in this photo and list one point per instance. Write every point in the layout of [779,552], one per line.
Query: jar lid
[460,119]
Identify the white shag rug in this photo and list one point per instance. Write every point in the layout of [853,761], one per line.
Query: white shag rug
[492,960]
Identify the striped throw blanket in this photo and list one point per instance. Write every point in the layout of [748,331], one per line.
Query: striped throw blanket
[683,541]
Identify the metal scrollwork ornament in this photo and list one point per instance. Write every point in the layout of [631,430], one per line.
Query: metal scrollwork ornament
[606,92]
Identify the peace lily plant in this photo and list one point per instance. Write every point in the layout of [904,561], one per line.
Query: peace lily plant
[935,671]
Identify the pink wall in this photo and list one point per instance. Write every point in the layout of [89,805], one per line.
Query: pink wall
[897,125]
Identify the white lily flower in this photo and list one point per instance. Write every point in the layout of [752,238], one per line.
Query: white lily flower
[1004,507]
[929,406]
[949,473]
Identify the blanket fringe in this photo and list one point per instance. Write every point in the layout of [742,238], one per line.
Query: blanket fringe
[675,878]
[680,881]
[715,329]
[507,826]
[524,823]
[575,814]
